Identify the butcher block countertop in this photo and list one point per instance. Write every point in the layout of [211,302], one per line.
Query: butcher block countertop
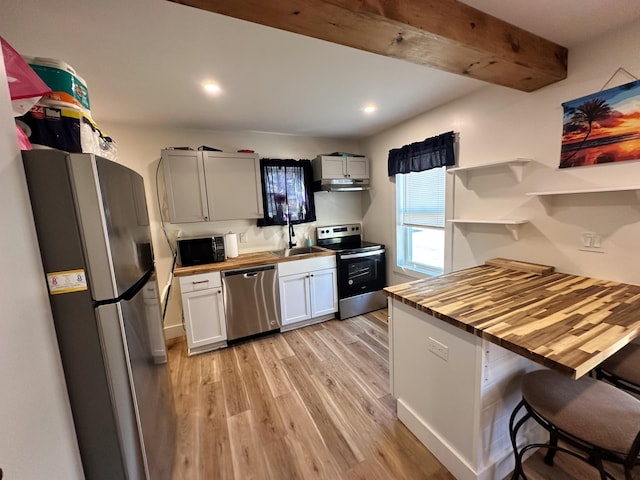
[566,322]
[246,260]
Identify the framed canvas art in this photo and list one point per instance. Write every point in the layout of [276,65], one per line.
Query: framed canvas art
[603,127]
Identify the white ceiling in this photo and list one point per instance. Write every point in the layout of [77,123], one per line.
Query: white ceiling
[144,63]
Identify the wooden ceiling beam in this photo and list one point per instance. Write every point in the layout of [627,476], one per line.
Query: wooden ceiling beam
[443,34]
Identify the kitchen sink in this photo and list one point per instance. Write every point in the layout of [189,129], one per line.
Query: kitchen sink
[291,252]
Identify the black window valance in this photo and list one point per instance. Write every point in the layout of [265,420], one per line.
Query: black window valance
[433,152]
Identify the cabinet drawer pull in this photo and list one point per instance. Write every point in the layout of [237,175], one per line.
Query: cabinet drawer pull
[201,281]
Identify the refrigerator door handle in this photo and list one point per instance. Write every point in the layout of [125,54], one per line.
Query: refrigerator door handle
[130,293]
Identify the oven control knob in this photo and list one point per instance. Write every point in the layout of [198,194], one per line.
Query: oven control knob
[350,282]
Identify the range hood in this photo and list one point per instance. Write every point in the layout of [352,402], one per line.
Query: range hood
[341,184]
[341,172]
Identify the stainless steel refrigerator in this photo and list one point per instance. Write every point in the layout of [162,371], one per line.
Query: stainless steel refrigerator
[93,230]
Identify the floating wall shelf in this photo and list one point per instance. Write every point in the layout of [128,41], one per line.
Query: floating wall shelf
[516,166]
[546,198]
[586,190]
[512,226]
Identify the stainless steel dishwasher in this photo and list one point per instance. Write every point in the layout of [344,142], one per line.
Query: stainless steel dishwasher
[251,301]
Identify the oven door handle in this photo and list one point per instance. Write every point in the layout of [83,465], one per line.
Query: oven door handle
[362,254]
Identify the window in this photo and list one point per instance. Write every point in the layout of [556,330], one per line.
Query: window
[286,191]
[421,236]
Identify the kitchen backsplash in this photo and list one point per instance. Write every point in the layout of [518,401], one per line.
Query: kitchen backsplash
[331,208]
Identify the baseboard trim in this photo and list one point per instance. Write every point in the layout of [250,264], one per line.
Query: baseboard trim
[457,465]
[306,323]
[173,331]
[454,462]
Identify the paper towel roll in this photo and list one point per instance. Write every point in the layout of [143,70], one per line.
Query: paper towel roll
[231,245]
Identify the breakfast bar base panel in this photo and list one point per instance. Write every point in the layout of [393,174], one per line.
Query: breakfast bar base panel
[455,392]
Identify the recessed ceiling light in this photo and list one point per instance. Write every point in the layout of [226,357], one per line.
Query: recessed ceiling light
[211,87]
[369,109]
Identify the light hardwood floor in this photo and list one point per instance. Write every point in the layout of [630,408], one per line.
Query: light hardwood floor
[312,403]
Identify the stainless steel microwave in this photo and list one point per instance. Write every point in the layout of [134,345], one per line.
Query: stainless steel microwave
[200,250]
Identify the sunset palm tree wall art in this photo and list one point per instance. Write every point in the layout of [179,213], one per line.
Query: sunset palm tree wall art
[602,128]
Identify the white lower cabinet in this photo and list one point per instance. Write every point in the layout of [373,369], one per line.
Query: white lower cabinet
[308,291]
[324,292]
[203,311]
[295,299]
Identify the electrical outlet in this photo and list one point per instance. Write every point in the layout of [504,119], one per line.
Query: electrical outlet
[243,237]
[439,349]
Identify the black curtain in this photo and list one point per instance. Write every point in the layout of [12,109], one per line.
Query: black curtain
[287,193]
[433,152]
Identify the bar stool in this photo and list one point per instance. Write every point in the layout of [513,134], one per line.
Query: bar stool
[598,421]
[622,369]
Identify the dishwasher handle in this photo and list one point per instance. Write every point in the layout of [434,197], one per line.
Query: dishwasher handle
[248,272]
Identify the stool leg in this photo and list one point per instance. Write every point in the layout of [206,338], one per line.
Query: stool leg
[553,443]
[597,462]
[513,432]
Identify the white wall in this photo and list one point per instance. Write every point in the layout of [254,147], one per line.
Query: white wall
[497,124]
[139,148]
[37,439]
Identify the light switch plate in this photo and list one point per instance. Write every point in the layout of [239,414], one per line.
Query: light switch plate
[592,242]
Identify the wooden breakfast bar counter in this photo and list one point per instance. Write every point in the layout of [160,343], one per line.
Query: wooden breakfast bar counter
[459,344]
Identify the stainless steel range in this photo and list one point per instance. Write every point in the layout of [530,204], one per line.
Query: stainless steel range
[361,269]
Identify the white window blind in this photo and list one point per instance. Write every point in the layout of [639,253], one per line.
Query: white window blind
[424,198]
[421,205]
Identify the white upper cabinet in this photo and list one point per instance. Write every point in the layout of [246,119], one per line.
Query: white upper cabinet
[234,189]
[209,186]
[357,167]
[329,166]
[185,187]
